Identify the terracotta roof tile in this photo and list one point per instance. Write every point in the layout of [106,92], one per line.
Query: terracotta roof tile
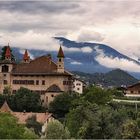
[60,52]
[26,56]
[40,117]
[42,65]
[5,108]
[8,52]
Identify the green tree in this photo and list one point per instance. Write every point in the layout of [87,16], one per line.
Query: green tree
[56,130]
[97,95]
[83,119]
[24,99]
[130,130]
[10,129]
[7,90]
[61,105]
[3,54]
[32,123]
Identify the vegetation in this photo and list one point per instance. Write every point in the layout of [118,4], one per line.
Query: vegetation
[22,100]
[115,77]
[95,115]
[10,129]
[33,124]
[56,130]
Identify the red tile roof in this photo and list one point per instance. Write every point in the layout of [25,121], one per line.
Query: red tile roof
[60,52]
[5,108]
[40,117]
[40,66]
[8,52]
[26,56]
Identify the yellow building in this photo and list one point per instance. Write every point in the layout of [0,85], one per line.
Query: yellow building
[41,75]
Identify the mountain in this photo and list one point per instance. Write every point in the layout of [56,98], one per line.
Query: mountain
[80,56]
[115,78]
[86,61]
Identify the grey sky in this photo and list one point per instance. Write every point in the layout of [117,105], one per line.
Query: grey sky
[32,24]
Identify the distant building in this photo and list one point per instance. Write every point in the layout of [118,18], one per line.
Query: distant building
[133,90]
[41,75]
[78,85]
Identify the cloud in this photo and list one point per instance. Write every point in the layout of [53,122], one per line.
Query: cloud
[86,49]
[76,63]
[116,62]
[31,24]
[89,35]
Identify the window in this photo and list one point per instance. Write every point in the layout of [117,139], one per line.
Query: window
[52,95]
[4,75]
[131,91]
[5,68]
[43,82]
[23,82]
[37,82]
[78,88]
[5,82]
[59,59]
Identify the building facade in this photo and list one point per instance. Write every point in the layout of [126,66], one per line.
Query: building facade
[41,75]
[133,90]
[78,85]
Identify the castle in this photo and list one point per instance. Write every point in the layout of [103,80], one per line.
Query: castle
[41,75]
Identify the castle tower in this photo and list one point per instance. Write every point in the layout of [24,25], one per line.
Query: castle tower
[8,53]
[60,62]
[26,57]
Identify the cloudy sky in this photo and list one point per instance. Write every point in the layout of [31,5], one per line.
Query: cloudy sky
[32,24]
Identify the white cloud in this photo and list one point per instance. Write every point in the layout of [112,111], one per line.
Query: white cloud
[76,63]
[116,62]
[86,49]
[33,24]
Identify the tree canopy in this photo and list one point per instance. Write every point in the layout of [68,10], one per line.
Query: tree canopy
[56,130]
[10,129]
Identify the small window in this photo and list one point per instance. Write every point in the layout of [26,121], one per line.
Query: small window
[5,68]
[43,82]
[5,82]
[4,75]
[78,88]
[59,65]
[59,59]
[131,91]
[52,95]
[37,82]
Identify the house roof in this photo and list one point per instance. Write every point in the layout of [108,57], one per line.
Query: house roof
[54,88]
[41,66]
[40,117]
[60,52]
[137,85]
[26,56]
[5,108]
[8,52]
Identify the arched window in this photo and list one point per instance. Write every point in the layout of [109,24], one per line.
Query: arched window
[5,68]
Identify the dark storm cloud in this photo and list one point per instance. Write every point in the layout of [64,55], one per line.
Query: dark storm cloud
[38,6]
